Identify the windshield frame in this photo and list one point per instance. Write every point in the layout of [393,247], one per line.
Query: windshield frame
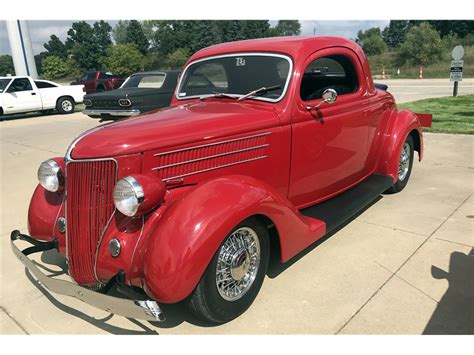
[241,54]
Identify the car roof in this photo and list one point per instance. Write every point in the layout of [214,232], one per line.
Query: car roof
[294,46]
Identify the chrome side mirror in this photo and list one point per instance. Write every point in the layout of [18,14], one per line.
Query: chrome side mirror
[329,97]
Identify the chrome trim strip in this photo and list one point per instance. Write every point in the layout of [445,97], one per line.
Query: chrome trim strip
[212,144]
[216,167]
[240,54]
[211,156]
[133,112]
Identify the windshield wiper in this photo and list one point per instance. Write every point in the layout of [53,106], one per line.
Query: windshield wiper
[262,90]
[218,95]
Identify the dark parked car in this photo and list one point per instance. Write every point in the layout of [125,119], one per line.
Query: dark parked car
[98,81]
[141,92]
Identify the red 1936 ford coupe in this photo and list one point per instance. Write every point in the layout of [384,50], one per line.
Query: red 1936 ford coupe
[271,141]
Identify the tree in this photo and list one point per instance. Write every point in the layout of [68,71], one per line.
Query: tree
[122,59]
[54,67]
[288,28]
[6,65]
[84,48]
[422,45]
[177,59]
[134,35]
[119,32]
[200,34]
[371,41]
[394,34]
[102,37]
[230,30]
[461,28]
[56,47]
[255,28]
[88,43]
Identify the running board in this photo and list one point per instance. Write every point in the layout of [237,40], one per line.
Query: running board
[337,210]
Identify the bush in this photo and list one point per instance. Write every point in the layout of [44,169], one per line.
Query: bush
[177,59]
[122,59]
[6,65]
[54,67]
[422,45]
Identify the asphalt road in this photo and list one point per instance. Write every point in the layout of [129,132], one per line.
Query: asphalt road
[405,90]
[378,275]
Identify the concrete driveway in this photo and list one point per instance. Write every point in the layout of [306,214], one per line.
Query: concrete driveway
[404,266]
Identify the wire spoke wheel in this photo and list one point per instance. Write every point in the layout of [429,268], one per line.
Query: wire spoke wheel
[404,163]
[237,264]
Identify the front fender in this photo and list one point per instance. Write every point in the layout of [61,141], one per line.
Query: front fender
[402,123]
[184,240]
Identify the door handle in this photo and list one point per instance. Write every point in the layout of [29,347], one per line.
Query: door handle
[33,93]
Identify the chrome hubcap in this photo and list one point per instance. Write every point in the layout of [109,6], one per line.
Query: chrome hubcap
[66,105]
[404,162]
[237,264]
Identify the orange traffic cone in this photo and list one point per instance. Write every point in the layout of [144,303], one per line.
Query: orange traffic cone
[421,71]
[383,73]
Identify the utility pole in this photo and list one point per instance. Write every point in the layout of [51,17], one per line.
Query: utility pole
[21,48]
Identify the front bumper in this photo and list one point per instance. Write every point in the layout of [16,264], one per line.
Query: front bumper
[139,308]
[99,112]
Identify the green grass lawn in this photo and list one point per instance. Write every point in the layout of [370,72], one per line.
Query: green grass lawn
[450,114]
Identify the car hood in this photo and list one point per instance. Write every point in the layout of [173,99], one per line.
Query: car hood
[173,126]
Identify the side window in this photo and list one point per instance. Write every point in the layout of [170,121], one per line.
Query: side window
[44,85]
[22,84]
[333,72]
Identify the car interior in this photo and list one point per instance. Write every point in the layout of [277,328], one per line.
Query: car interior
[334,72]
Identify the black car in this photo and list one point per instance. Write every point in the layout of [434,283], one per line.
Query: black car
[141,92]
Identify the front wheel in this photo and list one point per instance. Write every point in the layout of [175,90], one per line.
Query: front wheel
[65,105]
[234,276]
[405,164]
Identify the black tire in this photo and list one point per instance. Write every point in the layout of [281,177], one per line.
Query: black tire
[401,183]
[65,105]
[206,302]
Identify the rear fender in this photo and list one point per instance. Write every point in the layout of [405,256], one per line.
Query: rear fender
[184,240]
[402,123]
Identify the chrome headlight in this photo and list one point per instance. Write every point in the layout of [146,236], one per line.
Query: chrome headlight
[50,175]
[128,195]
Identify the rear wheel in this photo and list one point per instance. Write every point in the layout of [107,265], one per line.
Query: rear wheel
[405,164]
[234,276]
[65,105]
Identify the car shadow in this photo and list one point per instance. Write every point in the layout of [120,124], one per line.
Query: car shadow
[276,267]
[177,313]
[454,313]
[36,114]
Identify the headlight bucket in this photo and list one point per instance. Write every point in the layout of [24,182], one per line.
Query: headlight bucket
[138,194]
[51,176]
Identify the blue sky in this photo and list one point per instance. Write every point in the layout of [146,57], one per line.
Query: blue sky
[40,31]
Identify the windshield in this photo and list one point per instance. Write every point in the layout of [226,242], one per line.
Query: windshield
[4,84]
[154,81]
[237,75]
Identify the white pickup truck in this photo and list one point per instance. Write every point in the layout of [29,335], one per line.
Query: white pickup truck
[19,94]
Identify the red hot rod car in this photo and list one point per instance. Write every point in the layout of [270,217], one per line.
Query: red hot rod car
[276,140]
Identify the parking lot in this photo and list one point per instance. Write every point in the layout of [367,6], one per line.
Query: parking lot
[404,266]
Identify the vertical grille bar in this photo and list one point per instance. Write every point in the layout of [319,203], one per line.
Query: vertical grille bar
[89,205]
